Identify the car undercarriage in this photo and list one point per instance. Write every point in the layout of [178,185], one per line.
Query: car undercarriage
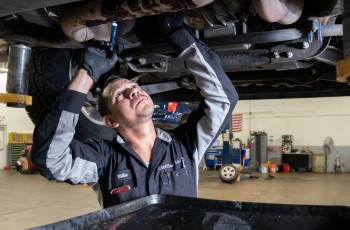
[268,48]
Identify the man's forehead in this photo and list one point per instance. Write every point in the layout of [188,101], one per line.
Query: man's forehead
[116,84]
[120,81]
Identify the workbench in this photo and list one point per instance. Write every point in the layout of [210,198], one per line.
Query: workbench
[298,161]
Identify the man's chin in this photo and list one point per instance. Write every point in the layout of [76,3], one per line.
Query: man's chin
[146,112]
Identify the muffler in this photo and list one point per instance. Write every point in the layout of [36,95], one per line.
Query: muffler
[281,11]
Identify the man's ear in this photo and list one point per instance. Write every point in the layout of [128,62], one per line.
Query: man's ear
[110,122]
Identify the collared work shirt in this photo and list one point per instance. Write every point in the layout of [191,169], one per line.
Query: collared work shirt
[114,169]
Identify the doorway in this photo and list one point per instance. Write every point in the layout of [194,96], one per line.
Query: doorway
[3,152]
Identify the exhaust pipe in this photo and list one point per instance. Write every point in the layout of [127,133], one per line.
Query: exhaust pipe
[17,80]
[92,20]
[281,11]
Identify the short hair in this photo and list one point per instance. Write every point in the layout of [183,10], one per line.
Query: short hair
[103,104]
[103,99]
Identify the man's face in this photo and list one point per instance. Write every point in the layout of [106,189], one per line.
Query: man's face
[128,104]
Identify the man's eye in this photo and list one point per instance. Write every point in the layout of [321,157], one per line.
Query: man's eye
[118,95]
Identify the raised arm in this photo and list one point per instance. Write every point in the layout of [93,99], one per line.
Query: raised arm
[220,97]
[55,153]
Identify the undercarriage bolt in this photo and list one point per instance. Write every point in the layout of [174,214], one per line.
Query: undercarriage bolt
[276,54]
[98,90]
[289,54]
[185,79]
[142,61]
[305,45]
[162,64]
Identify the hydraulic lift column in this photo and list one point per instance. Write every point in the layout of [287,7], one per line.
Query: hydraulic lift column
[17,79]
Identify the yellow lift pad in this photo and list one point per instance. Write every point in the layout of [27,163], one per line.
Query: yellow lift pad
[15,98]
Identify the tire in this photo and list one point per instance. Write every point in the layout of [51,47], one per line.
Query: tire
[228,173]
[50,71]
[184,117]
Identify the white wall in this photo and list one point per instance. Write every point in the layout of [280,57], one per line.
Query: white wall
[15,119]
[309,120]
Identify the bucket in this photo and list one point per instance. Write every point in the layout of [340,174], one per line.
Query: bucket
[264,168]
[273,168]
[285,167]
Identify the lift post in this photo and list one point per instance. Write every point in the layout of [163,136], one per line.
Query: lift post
[17,77]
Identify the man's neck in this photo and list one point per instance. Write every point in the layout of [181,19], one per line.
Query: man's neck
[141,139]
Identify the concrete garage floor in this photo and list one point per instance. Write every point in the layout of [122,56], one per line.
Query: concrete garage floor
[30,200]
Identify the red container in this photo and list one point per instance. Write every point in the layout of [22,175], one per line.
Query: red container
[285,167]
[273,168]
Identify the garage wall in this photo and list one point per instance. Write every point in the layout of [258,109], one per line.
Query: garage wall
[309,120]
[14,119]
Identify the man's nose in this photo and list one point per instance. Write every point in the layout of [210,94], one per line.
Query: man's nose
[133,92]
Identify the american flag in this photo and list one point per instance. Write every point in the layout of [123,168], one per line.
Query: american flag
[236,122]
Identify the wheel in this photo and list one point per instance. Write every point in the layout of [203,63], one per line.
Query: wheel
[228,173]
[50,71]
[184,117]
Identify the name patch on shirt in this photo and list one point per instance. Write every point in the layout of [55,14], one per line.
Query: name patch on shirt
[122,175]
[174,166]
[167,166]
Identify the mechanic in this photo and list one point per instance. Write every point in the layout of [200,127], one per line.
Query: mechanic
[140,160]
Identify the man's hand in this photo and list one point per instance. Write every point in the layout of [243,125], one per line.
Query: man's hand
[95,60]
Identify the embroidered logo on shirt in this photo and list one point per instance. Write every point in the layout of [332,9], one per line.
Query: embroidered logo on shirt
[122,175]
[167,166]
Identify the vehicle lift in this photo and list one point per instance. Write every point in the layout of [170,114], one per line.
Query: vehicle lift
[17,87]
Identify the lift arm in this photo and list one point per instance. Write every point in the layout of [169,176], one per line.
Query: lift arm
[15,98]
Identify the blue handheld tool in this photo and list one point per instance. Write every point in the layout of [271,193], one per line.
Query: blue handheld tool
[113,34]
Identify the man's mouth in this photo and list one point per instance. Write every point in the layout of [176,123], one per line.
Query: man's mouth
[138,101]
